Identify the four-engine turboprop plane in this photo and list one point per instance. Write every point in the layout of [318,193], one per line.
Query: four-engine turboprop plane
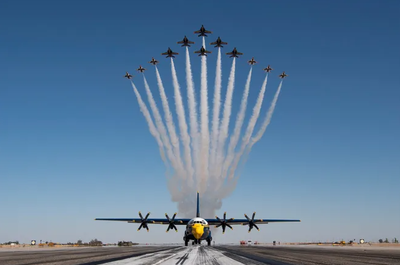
[169,53]
[127,75]
[153,61]
[252,61]
[234,53]
[218,43]
[185,42]
[202,51]
[197,229]
[202,31]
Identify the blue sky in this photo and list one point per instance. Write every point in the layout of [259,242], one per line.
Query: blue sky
[74,145]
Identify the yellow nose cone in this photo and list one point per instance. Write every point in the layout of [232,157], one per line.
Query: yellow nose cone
[197,230]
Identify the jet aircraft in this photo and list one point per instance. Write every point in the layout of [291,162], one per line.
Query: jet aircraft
[283,75]
[197,229]
[202,31]
[169,53]
[252,61]
[127,75]
[141,69]
[218,43]
[185,42]
[202,51]
[268,69]
[153,61]
[234,53]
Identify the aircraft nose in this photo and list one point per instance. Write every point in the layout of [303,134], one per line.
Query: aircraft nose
[198,230]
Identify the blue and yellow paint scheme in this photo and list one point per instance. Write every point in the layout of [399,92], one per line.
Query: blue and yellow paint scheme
[197,229]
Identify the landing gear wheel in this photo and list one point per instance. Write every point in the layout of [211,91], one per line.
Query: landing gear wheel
[186,243]
[209,242]
[193,243]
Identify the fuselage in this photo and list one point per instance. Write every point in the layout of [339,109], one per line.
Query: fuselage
[197,229]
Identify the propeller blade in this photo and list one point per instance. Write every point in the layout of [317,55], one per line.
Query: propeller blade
[218,225]
[168,228]
[147,215]
[228,225]
[245,215]
[223,229]
[252,219]
[173,217]
[224,216]
[256,227]
[166,215]
[140,226]
[140,214]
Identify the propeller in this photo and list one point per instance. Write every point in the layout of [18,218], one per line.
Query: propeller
[171,223]
[251,222]
[224,223]
[144,222]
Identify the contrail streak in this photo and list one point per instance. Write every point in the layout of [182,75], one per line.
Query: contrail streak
[182,122]
[223,131]
[267,119]
[168,118]
[205,136]
[162,130]
[250,127]
[216,110]
[238,125]
[150,123]
[194,129]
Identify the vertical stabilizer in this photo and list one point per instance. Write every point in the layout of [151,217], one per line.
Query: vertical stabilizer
[198,206]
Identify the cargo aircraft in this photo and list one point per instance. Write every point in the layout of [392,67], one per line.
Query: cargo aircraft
[197,229]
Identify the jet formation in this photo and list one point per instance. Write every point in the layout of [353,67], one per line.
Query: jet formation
[202,32]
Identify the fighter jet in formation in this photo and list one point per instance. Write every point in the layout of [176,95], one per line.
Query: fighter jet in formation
[153,61]
[202,51]
[218,43]
[202,31]
[283,75]
[185,42]
[252,61]
[169,53]
[141,69]
[127,75]
[234,53]
[268,69]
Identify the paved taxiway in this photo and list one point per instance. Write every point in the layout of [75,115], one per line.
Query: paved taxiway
[223,255]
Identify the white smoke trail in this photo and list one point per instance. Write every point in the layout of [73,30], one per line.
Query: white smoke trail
[205,136]
[267,119]
[238,126]
[216,110]
[194,130]
[162,130]
[182,123]
[150,123]
[250,128]
[223,131]
[168,118]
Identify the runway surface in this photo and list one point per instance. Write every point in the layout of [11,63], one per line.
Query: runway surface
[192,255]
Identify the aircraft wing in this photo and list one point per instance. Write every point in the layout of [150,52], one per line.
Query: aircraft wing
[180,42]
[190,42]
[197,52]
[197,31]
[245,221]
[239,53]
[213,43]
[207,31]
[164,53]
[160,221]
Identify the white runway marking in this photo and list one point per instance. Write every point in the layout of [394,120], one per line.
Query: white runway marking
[194,255]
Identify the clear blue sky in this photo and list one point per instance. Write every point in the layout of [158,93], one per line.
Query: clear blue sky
[74,145]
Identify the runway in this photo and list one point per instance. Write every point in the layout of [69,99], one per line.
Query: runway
[196,255]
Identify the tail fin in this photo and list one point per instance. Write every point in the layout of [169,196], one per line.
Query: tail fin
[198,206]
